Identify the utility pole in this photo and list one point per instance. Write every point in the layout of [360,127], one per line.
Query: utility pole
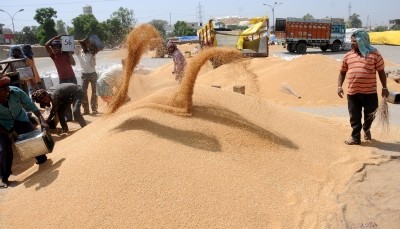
[273,6]
[200,14]
[349,10]
[12,17]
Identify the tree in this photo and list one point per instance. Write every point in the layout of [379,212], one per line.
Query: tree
[114,30]
[126,18]
[219,24]
[182,29]
[61,27]
[232,27]
[160,25]
[43,14]
[354,21]
[85,25]
[308,16]
[114,33]
[243,27]
[395,27]
[380,29]
[28,35]
[46,30]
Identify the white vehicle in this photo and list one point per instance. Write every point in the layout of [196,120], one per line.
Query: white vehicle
[347,40]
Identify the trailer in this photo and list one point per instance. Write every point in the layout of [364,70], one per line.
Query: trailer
[17,78]
[301,33]
[251,42]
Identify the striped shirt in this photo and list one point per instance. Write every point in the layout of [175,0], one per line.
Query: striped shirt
[361,71]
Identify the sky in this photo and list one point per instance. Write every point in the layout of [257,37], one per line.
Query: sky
[376,12]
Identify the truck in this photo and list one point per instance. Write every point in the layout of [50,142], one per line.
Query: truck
[347,40]
[299,33]
[252,41]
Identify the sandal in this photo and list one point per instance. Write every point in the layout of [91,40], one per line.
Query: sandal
[367,136]
[352,141]
[4,183]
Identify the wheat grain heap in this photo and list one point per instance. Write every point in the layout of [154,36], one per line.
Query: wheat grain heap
[197,156]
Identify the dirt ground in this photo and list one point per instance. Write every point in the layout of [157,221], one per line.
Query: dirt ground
[236,160]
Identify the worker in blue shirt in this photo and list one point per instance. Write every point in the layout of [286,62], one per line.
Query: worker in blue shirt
[14,121]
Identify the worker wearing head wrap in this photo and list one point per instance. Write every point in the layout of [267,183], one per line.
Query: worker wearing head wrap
[179,61]
[56,43]
[27,50]
[363,42]
[16,53]
[4,81]
[36,82]
[360,66]
[13,71]
[14,121]
[110,81]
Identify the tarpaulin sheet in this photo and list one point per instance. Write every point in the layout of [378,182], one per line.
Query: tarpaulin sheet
[188,38]
[385,38]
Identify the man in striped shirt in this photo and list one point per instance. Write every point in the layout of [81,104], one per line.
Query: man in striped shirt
[360,66]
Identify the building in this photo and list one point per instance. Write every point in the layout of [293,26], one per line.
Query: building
[2,39]
[6,35]
[230,21]
[87,10]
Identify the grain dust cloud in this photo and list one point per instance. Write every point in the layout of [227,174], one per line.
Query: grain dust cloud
[138,42]
[183,97]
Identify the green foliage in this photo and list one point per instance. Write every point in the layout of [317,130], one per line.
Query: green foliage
[70,30]
[126,18]
[395,27]
[61,27]
[182,29]
[308,16]
[219,24]
[243,27]
[28,35]
[160,25]
[46,31]
[114,33]
[237,27]
[380,29]
[233,27]
[85,25]
[44,16]
[354,21]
